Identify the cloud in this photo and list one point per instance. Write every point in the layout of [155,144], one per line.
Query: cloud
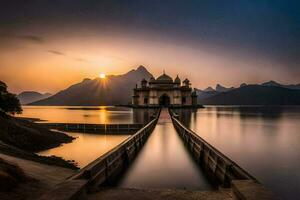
[9,39]
[82,60]
[56,52]
[32,38]
[59,53]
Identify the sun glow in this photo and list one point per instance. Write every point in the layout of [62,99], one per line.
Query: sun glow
[102,75]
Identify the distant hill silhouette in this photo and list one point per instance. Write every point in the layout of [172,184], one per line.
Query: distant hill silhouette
[220,88]
[274,83]
[255,95]
[243,85]
[109,91]
[208,92]
[27,97]
[203,94]
[209,89]
[223,95]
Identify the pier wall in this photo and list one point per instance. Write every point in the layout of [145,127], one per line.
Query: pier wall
[105,169]
[222,170]
[95,128]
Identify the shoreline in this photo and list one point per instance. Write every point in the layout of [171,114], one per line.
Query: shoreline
[24,138]
[37,178]
[32,156]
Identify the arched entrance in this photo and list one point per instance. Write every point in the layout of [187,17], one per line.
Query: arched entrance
[164,100]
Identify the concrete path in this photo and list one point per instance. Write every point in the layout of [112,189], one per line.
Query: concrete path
[164,117]
[137,194]
[47,176]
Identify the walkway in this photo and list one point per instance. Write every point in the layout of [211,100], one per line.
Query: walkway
[47,177]
[137,194]
[164,162]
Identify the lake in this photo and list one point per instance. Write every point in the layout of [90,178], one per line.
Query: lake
[87,114]
[86,147]
[164,162]
[263,140]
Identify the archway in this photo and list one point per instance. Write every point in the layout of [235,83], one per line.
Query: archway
[164,100]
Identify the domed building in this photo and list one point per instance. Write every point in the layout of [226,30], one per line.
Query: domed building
[164,91]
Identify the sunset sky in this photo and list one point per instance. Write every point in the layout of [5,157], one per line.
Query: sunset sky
[48,45]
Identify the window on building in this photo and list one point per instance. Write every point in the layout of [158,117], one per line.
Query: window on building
[183,100]
[145,100]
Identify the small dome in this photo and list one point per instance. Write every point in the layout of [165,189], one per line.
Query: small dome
[177,80]
[164,79]
[186,81]
[152,79]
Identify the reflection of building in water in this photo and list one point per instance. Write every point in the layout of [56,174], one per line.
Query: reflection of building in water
[143,116]
[185,116]
[163,91]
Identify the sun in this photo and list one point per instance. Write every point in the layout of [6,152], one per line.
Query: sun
[102,76]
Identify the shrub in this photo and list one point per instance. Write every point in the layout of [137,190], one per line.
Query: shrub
[9,103]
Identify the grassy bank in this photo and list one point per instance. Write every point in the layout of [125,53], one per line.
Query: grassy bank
[29,136]
[49,160]
[22,138]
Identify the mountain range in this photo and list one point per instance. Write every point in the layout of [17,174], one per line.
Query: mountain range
[290,86]
[117,89]
[254,95]
[113,90]
[268,93]
[27,97]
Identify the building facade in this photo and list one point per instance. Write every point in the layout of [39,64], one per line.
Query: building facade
[163,91]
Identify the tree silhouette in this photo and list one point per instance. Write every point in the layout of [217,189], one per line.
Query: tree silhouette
[9,103]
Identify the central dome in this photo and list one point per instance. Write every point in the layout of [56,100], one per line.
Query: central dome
[164,79]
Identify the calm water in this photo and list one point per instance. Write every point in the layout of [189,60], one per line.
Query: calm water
[164,162]
[86,147]
[264,141]
[87,114]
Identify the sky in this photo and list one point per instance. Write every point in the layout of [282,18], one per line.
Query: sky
[48,45]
